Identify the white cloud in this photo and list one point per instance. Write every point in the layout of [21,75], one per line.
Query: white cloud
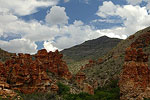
[57,33]
[106,21]
[134,17]
[118,32]
[25,7]
[19,46]
[148,6]
[66,1]
[1,32]
[75,34]
[108,8]
[138,2]
[6,18]
[57,15]
[134,2]
[32,30]
[69,35]
[49,47]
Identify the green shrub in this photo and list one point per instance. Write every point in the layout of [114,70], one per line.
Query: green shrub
[109,92]
[63,89]
[38,96]
[147,99]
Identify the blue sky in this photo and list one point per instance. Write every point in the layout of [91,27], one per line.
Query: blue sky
[29,25]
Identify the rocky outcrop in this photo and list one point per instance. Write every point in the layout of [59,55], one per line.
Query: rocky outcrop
[80,78]
[5,91]
[85,83]
[88,89]
[135,78]
[91,63]
[53,62]
[142,41]
[27,74]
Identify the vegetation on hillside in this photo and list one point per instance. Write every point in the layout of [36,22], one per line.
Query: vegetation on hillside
[79,55]
[113,61]
[91,49]
[109,92]
[4,55]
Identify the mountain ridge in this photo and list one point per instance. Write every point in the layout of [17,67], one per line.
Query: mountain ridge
[80,55]
[114,60]
[90,47]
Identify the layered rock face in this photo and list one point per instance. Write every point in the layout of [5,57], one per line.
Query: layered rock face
[135,78]
[28,74]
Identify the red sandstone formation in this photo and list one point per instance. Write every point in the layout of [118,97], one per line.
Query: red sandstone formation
[5,91]
[54,87]
[135,78]
[81,82]
[90,64]
[142,41]
[28,74]
[88,89]
[80,78]
[53,63]
[95,84]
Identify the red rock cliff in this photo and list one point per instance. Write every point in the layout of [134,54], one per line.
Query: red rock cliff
[28,74]
[135,78]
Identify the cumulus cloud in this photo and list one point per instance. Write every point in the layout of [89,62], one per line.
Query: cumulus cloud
[138,2]
[1,32]
[19,46]
[57,15]
[118,32]
[134,2]
[76,33]
[34,31]
[49,47]
[107,9]
[133,16]
[25,7]
[106,21]
[58,34]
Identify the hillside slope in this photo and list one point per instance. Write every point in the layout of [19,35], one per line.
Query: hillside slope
[79,55]
[91,49]
[4,55]
[112,63]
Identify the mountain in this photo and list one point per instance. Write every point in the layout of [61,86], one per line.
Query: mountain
[79,55]
[112,62]
[4,55]
[91,49]
[46,71]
